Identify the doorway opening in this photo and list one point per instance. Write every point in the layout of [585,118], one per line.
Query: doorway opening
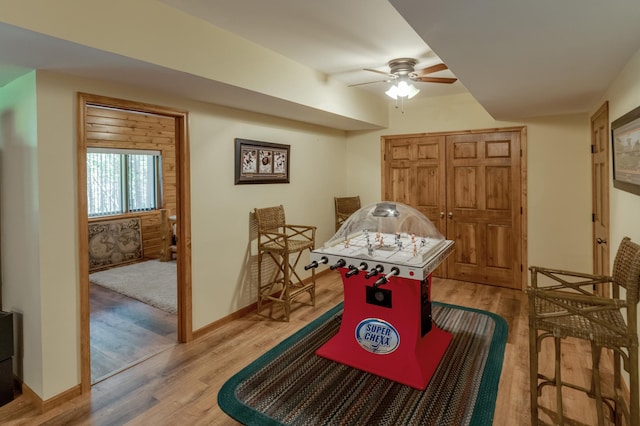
[121,324]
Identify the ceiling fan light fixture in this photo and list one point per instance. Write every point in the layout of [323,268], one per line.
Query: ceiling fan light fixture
[402,90]
[412,91]
[392,92]
[402,73]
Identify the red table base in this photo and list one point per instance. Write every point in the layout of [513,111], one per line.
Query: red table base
[388,330]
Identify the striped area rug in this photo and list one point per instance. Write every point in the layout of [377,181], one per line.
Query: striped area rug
[291,385]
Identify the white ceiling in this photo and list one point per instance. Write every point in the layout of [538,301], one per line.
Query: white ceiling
[517,58]
[337,37]
[530,58]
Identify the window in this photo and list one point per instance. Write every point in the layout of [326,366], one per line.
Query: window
[122,181]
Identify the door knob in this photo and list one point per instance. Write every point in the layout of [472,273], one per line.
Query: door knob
[441,215]
[450,215]
[601,241]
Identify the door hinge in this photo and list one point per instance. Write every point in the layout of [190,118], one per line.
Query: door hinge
[521,267]
[593,149]
[520,210]
[593,217]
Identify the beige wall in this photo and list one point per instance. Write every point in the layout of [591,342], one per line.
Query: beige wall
[559,170]
[220,210]
[20,223]
[58,242]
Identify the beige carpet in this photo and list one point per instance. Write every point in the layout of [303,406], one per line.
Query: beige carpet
[152,282]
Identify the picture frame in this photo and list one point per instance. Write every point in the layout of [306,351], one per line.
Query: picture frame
[625,141]
[259,162]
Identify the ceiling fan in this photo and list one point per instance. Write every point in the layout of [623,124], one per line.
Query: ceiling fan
[403,69]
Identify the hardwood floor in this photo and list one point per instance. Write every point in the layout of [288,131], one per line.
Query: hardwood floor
[179,385]
[125,331]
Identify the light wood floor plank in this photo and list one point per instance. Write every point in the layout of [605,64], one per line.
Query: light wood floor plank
[125,331]
[180,384]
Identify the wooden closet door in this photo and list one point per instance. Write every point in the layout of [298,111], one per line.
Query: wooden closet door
[484,208]
[415,176]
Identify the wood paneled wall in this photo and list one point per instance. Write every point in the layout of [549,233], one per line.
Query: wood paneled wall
[123,129]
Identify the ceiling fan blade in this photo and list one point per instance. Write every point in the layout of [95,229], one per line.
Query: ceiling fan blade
[370,82]
[432,69]
[379,72]
[445,80]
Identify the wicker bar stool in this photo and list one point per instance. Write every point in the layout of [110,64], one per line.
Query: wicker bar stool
[569,308]
[283,244]
[345,206]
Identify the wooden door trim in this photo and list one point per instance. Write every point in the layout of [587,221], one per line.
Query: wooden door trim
[524,240]
[602,111]
[523,180]
[454,132]
[183,206]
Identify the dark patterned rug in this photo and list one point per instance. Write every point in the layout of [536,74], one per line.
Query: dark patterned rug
[291,385]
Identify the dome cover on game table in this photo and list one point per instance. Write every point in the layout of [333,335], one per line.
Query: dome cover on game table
[386,217]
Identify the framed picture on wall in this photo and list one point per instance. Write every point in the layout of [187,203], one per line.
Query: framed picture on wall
[625,139]
[261,162]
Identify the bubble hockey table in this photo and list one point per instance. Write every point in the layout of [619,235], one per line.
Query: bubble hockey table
[386,326]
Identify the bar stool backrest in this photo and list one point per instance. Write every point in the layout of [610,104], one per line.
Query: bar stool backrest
[626,270]
[270,219]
